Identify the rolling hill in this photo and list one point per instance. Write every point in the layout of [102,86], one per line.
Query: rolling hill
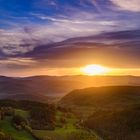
[113,112]
[43,88]
[107,97]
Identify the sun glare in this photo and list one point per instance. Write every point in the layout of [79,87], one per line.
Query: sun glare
[95,70]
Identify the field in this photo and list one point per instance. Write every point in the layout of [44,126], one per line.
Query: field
[62,133]
[22,113]
[5,126]
[65,127]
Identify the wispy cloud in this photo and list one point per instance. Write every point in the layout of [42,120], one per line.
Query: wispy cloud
[15,41]
[130,5]
[21,40]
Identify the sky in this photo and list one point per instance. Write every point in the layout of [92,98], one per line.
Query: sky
[59,37]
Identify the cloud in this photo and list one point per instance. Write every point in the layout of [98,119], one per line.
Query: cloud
[88,17]
[17,61]
[21,40]
[15,41]
[121,46]
[130,5]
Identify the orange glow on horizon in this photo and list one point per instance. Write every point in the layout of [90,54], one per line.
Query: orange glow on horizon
[90,70]
[94,69]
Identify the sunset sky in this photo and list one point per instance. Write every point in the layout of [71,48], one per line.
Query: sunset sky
[65,37]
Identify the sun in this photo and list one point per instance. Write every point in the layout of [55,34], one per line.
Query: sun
[94,70]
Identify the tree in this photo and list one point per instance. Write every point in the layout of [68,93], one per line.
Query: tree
[42,117]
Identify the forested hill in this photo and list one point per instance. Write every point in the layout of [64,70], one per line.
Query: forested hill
[108,96]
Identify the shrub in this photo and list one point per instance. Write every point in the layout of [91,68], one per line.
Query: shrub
[19,122]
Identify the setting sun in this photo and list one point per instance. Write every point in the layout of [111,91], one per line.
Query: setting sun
[94,70]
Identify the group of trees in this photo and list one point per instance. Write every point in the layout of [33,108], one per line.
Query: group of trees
[40,116]
[43,117]
[20,122]
[6,111]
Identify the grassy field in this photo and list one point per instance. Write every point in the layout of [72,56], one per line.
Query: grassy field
[5,126]
[22,113]
[60,133]
[57,134]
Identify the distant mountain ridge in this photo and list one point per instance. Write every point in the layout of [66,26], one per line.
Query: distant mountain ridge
[44,87]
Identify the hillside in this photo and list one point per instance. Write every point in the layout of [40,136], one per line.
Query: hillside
[109,96]
[86,101]
[116,125]
[43,88]
[113,112]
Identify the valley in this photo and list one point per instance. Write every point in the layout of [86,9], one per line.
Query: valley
[96,113]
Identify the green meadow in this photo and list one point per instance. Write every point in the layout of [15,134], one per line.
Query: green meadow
[6,127]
